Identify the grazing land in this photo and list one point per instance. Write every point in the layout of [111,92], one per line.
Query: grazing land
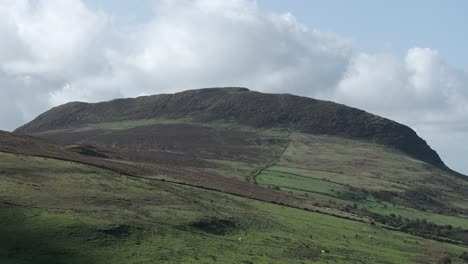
[226,176]
[73,213]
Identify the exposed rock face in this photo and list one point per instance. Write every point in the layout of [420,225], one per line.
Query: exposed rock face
[245,107]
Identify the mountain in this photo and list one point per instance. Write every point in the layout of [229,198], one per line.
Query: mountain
[226,175]
[247,108]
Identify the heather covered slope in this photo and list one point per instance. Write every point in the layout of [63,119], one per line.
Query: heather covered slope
[244,107]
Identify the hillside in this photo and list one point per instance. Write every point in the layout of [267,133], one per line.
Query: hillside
[228,175]
[58,211]
[244,107]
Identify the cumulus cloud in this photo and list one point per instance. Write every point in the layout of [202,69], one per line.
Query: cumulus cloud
[45,44]
[57,51]
[54,38]
[421,89]
[190,44]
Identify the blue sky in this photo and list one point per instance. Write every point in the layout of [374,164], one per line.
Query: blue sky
[378,25]
[405,60]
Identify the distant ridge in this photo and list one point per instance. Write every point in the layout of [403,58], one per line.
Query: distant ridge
[245,107]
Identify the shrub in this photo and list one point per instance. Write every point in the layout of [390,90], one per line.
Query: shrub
[445,260]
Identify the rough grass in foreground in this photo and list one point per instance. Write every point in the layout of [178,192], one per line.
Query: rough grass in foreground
[72,213]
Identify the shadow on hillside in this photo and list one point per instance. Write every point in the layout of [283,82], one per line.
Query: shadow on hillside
[26,239]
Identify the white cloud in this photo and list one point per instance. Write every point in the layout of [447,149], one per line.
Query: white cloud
[420,90]
[56,38]
[44,45]
[57,51]
[209,43]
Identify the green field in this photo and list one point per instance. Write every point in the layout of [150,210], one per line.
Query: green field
[319,185]
[326,168]
[63,212]
[234,169]
[299,183]
[127,124]
[387,209]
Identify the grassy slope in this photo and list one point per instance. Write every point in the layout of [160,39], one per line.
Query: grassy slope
[374,168]
[324,167]
[271,143]
[63,212]
[122,125]
[299,183]
[128,124]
